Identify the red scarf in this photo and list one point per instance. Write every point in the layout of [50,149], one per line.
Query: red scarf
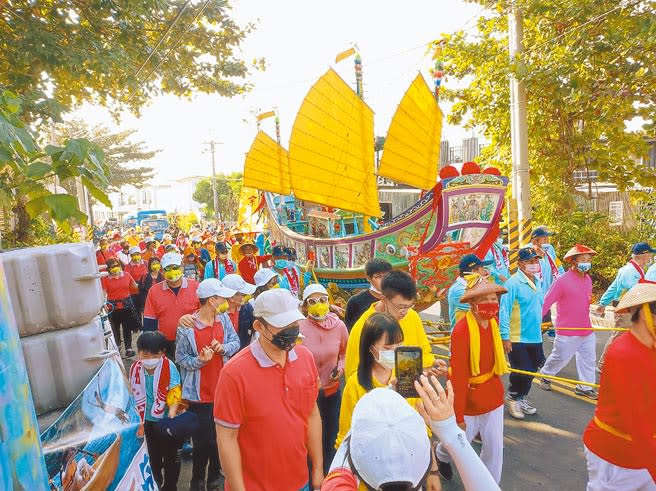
[227,264]
[502,258]
[161,381]
[552,264]
[293,280]
[638,269]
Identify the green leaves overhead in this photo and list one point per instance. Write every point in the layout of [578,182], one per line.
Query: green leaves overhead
[588,68]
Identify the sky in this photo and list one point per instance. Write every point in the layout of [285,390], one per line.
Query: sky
[299,40]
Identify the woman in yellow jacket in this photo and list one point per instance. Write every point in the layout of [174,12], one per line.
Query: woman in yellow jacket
[381,334]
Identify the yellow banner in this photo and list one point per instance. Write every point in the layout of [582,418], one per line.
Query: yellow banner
[344,54]
[265,115]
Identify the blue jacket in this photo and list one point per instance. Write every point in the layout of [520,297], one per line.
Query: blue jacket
[547,274]
[453,296]
[520,314]
[627,277]
[209,270]
[500,266]
[186,355]
[651,273]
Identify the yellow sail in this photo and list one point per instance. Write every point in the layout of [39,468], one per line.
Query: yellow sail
[412,147]
[331,148]
[267,166]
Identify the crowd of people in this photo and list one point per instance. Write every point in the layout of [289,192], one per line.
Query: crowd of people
[244,354]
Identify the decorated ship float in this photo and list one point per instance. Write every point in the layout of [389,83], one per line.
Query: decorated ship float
[321,195]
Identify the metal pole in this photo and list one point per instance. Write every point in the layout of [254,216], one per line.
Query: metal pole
[215,195]
[519,127]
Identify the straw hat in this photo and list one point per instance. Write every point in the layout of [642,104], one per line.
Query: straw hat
[247,243]
[578,249]
[481,288]
[643,292]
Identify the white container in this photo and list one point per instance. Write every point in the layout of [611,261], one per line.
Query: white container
[61,363]
[53,287]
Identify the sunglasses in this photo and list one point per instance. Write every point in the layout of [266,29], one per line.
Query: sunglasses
[173,267]
[314,301]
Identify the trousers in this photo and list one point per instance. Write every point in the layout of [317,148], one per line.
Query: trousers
[164,457]
[604,476]
[490,427]
[122,320]
[564,348]
[329,410]
[528,357]
[205,449]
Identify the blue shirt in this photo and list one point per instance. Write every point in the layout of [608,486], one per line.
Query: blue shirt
[150,395]
[520,314]
[500,266]
[627,277]
[453,296]
[209,270]
[548,277]
[651,273]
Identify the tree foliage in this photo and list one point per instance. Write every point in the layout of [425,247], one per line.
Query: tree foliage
[588,68]
[228,188]
[120,152]
[61,53]
[30,175]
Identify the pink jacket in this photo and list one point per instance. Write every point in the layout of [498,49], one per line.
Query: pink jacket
[327,342]
[572,293]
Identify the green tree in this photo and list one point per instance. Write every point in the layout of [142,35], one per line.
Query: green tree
[30,175]
[228,189]
[60,53]
[588,68]
[120,152]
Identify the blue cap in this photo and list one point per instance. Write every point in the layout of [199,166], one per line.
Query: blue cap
[642,248]
[278,251]
[527,253]
[471,261]
[541,232]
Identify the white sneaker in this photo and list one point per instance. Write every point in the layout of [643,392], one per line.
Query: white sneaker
[526,407]
[515,409]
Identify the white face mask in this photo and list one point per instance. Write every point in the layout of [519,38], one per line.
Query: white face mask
[533,268]
[150,363]
[375,290]
[386,358]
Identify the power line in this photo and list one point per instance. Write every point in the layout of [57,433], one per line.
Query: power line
[161,39]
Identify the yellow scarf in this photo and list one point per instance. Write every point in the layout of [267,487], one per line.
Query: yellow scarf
[500,364]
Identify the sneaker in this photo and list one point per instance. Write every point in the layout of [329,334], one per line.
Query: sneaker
[589,393]
[187,448]
[545,384]
[129,353]
[526,407]
[515,409]
[445,470]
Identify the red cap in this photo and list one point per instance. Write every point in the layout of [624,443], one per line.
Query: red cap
[470,168]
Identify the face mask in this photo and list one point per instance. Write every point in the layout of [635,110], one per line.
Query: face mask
[155,268]
[136,258]
[375,290]
[285,339]
[487,310]
[275,285]
[533,268]
[318,311]
[280,263]
[115,270]
[291,263]
[222,308]
[584,267]
[246,299]
[150,363]
[104,247]
[173,275]
[386,358]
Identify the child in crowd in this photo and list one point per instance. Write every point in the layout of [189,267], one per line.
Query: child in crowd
[155,384]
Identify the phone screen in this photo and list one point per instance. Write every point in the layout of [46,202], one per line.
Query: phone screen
[409,367]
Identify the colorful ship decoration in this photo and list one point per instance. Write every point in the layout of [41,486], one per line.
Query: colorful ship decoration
[321,195]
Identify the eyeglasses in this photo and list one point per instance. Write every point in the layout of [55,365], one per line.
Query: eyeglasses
[314,301]
[402,308]
[172,267]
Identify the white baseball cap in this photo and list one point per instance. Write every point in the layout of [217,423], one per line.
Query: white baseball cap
[313,288]
[237,283]
[134,250]
[149,239]
[171,258]
[263,276]
[388,440]
[167,237]
[278,307]
[212,287]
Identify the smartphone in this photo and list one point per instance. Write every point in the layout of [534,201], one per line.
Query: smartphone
[409,366]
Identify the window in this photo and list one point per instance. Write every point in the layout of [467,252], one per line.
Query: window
[616,212]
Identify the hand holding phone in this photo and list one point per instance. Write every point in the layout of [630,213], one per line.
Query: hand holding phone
[408,365]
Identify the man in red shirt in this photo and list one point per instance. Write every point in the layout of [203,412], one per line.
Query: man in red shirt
[169,300]
[477,362]
[620,441]
[102,253]
[267,421]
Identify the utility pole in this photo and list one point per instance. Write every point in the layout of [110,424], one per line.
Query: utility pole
[215,196]
[519,127]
